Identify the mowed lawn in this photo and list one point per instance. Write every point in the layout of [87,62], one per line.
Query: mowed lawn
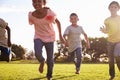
[62,71]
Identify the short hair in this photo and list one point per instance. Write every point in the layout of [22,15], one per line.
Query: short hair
[73,14]
[43,1]
[114,2]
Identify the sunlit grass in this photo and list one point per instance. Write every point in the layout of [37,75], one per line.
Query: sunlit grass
[17,71]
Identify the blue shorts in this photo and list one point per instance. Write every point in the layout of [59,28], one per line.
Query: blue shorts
[4,53]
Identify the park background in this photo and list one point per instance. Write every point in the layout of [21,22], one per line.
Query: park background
[91,16]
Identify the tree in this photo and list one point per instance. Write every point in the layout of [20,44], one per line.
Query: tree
[18,50]
[97,48]
[61,50]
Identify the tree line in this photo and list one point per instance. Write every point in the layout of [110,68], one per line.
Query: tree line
[96,53]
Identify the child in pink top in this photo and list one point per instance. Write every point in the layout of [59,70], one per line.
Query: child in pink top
[42,19]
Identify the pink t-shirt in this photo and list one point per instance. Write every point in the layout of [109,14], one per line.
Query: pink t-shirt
[43,27]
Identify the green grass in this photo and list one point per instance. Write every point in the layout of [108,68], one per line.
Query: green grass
[24,71]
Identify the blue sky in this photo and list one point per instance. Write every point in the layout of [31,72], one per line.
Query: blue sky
[91,16]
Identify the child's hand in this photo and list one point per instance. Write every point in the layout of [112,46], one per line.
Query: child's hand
[103,29]
[62,39]
[66,44]
[9,44]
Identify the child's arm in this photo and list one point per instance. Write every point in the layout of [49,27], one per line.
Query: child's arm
[9,35]
[87,40]
[29,18]
[59,29]
[65,38]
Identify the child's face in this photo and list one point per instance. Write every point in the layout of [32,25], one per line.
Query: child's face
[37,4]
[74,19]
[113,8]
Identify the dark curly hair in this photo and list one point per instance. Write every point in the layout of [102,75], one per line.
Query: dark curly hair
[40,0]
[73,14]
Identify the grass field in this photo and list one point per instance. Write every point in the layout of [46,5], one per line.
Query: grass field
[62,71]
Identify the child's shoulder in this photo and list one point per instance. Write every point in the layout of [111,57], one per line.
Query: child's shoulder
[69,26]
[3,24]
[111,18]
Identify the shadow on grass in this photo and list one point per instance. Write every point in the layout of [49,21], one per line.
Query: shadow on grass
[38,78]
[61,77]
[57,77]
